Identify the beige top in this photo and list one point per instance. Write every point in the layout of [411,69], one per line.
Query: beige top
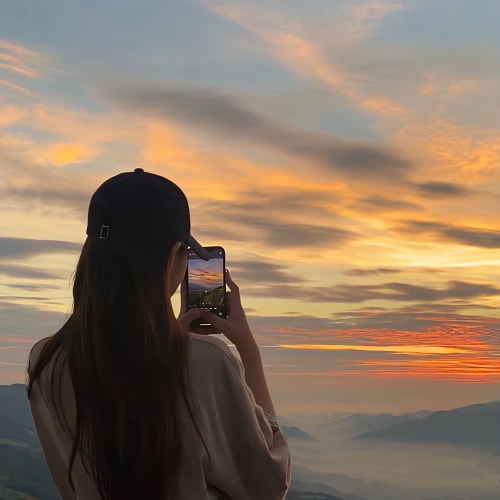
[249,453]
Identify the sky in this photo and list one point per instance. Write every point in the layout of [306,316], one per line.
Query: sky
[345,153]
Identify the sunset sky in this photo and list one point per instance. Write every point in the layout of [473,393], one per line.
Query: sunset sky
[345,153]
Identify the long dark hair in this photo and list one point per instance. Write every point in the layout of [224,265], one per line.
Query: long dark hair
[127,358]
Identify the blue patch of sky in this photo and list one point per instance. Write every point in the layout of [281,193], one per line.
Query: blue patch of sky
[474,111]
[242,74]
[348,123]
[155,41]
[100,35]
[444,23]
[36,134]
[317,110]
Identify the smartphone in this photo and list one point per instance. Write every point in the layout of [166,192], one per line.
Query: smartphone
[206,282]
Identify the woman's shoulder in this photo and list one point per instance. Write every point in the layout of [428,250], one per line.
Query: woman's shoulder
[211,349]
[37,349]
[209,344]
[45,353]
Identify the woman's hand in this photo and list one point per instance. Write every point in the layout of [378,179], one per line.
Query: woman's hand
[235,327]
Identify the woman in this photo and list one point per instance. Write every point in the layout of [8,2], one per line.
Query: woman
[126,402]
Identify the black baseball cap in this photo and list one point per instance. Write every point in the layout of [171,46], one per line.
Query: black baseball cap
[139,213]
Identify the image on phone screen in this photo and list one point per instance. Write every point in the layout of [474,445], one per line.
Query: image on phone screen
[206,284]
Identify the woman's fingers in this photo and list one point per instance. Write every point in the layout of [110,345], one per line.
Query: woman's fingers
[232,286]
[235,327]
[191,316]
[227,301]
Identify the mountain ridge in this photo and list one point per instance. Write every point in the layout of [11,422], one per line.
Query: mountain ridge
[470,426]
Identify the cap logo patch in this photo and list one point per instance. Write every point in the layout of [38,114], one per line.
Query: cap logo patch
[104,232]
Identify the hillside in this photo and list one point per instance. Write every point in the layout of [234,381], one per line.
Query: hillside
[475,426]
[293,432]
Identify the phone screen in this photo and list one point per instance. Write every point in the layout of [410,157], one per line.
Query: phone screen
[206,283]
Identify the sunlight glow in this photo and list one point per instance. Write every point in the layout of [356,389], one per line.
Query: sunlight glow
[400,349]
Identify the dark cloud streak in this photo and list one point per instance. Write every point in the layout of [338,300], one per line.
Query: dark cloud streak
[262,271]
[14,248]
[271,214]
[394,291]
[25,272]
[225,116]
[29,185]
[484,238]
[442,189]
[368,272]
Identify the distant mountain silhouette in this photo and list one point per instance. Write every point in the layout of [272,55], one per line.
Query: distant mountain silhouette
[476,426]
[16,422]
[296,433]
[360,423]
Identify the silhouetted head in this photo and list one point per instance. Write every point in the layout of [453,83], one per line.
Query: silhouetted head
[142,216]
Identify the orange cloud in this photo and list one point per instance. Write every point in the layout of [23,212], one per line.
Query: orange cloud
[62,154]
[399,349]
[464,370]
[468,335]
[289,44]
[384,106]
[460,369]
[11,114]
[462,351]
[454,147]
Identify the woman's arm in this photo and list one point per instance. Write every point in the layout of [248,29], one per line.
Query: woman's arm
[254,374]
[247,440]
[237,330]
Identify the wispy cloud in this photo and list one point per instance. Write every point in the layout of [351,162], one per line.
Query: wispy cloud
[300,50]
[367,272]
[441,189]
[24,247]
[13,86]
[472,368]
[26,272]
[23,324]
[451,347]
[27,184]
[394,291]
[413,350]
[264,271]
[21,60]
[225,116]
[477,237]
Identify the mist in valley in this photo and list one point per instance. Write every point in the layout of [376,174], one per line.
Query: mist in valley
[329,457]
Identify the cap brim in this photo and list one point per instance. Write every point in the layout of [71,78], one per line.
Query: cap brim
[197,248]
